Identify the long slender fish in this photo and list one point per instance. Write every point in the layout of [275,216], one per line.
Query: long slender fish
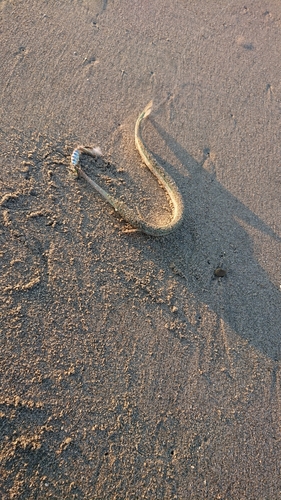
[163,178]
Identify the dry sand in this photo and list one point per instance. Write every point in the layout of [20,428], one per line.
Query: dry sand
[128,370]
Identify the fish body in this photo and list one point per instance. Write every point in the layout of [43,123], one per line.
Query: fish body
[164,179]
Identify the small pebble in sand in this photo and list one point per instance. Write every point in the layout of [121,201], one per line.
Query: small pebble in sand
[219,272]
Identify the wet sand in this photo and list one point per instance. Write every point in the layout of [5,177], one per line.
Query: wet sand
[129,369]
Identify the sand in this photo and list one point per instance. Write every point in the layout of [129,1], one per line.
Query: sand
[128,369]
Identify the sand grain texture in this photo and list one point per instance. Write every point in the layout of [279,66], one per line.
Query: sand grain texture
[128,369]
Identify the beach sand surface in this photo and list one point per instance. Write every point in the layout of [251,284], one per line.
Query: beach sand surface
[129,370]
